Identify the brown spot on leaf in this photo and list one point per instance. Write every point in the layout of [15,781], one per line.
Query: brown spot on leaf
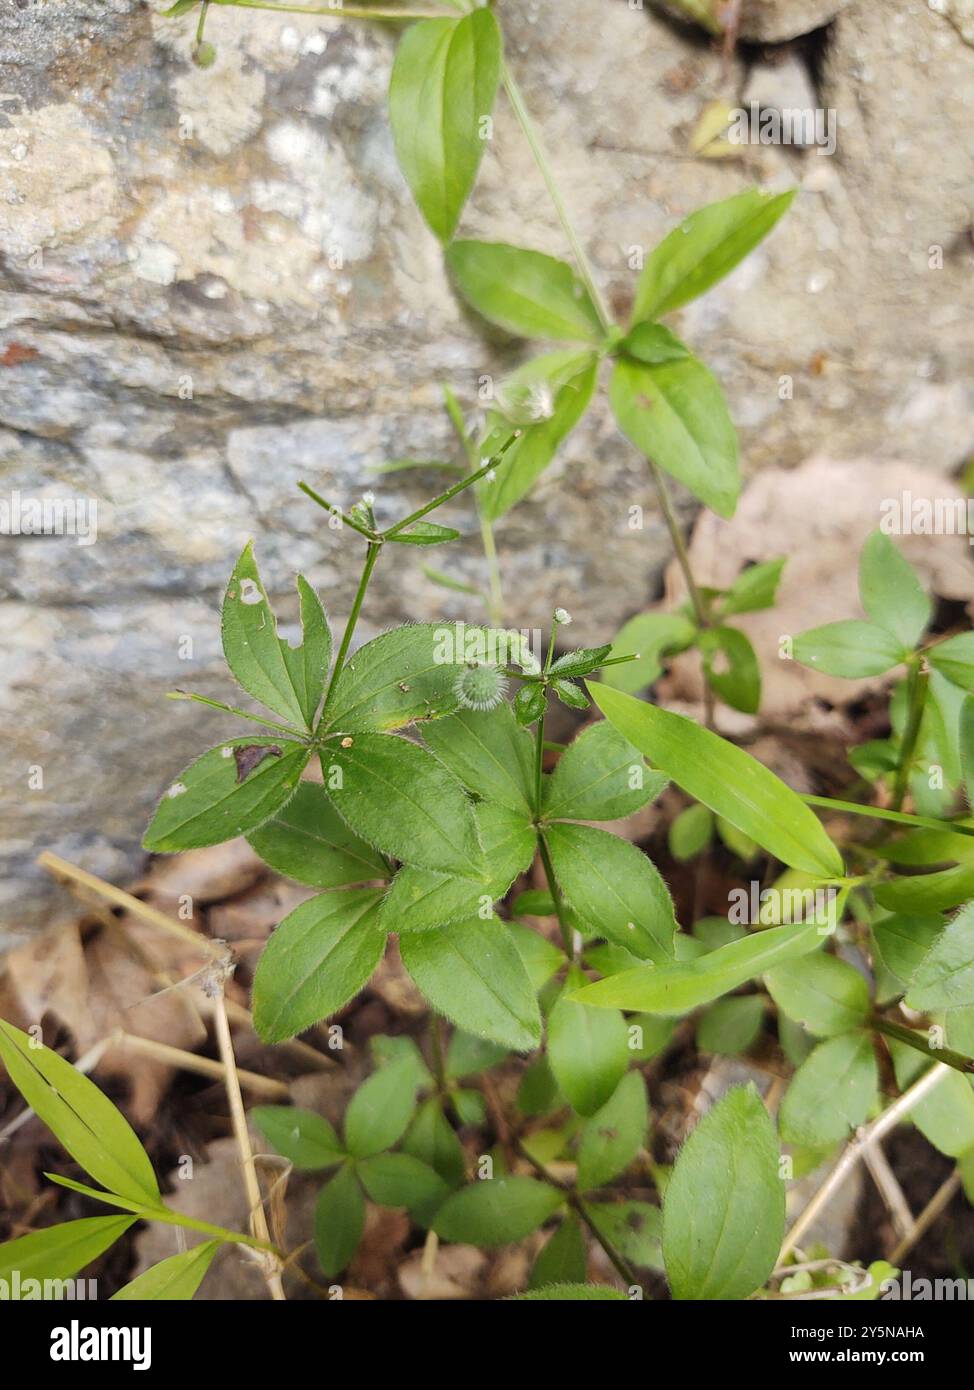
[644,400]
[248,755]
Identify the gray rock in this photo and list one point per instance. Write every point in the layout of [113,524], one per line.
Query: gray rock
[769,21]
[215,283]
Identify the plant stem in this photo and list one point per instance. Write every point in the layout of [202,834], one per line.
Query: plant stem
[555,891]
[683,559]
[495,600]
[625,1272]
[334,11]
[679,546]
[240,713]
[258,1220]
[337,511]
[371,556]
[461,486]
[917,698]
[883,1123]
[853,808]
[919,1043]
[544,168]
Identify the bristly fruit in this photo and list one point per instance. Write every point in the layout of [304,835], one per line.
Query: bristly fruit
[480,686]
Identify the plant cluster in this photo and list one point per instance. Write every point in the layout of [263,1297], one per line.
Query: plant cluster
[437,794]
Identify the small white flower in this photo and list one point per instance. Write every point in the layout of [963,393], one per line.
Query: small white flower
[562,617]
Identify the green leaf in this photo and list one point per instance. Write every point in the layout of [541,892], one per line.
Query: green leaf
[467,1055]
[339,1221]
[614,1135]
[405,674]
[301,1136]
[653,344]
[633,1228]
[851,649]
[944,978]
[496,1211]
[826,994]
[443,85]
[680,987]
[755,588]
[581,662]
[422,899]
[529,456]
[731,667]
[541,958]
[704,248]
[319,957]
[170,1280]
[210,801]
[529,703]
[676,414]
[563,1259]
[600,776]
[59,1252]
[724,1209]
[955,660]
[924,893]
[290,681]
[731,1026]
[587,1049]
[569,694]
[430,1139]
[425,533]
[399,1180]
[571,1293]
[613,889]
[309,842]
[691,832]
[831,1093]
[738,843]
[473,974]
[488,752]
[80,1116]
[650,636]
[400,798]
[379,1113]
[891,593]
[903,942]
[403,465]
[525,292]
[725,778]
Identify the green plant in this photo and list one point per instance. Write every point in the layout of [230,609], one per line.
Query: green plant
[435,799]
